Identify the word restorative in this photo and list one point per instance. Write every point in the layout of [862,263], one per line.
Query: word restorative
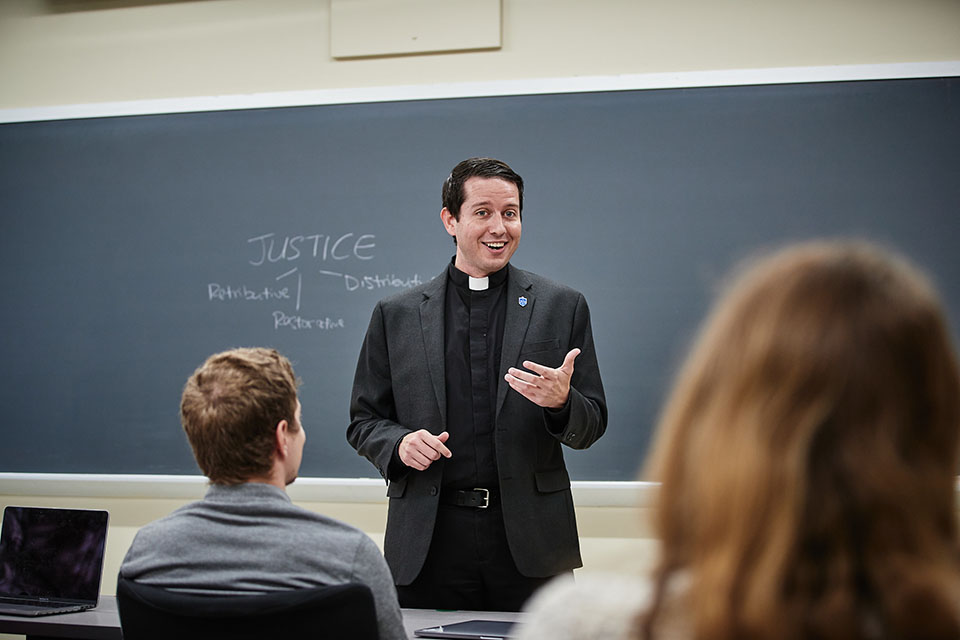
[352,283]
[298,323]
[217,292]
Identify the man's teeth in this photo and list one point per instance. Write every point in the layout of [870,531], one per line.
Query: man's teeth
[495,245]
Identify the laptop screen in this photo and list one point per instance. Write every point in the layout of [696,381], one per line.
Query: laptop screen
[52,553]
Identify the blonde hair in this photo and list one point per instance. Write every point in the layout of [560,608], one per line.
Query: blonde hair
[230,409]
[807,455]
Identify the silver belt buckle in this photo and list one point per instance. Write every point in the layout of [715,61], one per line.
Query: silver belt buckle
[486,497]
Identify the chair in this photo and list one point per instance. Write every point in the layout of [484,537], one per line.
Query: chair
[335,611]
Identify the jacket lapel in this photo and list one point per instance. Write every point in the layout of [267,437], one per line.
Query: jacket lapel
[431,318]
[520,301]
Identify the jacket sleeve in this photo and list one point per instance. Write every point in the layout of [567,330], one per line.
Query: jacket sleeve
[583,419]
[374,431]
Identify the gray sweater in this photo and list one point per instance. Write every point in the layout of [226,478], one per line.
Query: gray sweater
[250,539]
[603,606]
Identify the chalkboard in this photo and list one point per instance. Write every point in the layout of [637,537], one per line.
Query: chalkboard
[133,247]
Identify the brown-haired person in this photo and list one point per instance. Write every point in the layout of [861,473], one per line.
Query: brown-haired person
[807,457]
[242,417]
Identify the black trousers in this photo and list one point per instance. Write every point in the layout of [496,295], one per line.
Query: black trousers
[469,565]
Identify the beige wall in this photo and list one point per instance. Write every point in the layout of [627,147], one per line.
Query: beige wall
[66,52]
[52,55]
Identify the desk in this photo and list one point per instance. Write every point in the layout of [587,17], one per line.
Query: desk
[100,623]
[103,622]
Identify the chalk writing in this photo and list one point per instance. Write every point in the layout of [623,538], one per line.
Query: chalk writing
[299,282]
[216,291]
[270,248]
[297,323]
[352,283]
[291,257]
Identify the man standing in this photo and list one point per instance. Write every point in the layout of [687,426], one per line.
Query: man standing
[242,418]
[481,512]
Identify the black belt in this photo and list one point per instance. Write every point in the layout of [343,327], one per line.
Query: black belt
[477,498]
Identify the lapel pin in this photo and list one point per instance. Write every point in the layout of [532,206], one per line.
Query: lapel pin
[522,301]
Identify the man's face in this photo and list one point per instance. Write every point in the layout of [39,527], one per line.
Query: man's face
[295,442]
[488,230]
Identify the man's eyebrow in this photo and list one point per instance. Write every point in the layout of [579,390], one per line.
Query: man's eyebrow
[487,203]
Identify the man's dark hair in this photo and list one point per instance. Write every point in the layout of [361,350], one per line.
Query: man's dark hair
[452,193]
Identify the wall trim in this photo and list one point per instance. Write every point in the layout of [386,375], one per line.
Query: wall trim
[355,490]
[586,493]
[533,86]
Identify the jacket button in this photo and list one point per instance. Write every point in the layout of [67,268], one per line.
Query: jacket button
[433,491]
[571,436]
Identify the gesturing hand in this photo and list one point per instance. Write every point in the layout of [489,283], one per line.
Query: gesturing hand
[544,387]
[419,449]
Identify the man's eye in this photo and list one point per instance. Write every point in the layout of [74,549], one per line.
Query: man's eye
[510,214]
[481,212]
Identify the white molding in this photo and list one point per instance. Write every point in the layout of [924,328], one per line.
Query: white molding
[586,493]
[534,86]
[354,490]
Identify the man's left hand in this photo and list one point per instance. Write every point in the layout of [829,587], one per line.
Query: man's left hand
[545,387]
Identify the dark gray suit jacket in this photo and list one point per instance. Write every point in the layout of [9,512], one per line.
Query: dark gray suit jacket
[399,387]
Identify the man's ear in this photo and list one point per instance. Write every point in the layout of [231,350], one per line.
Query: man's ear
[449,221]
[280,437]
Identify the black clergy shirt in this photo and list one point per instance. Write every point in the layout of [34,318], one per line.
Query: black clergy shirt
[472,341]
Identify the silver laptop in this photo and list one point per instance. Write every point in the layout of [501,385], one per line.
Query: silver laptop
[51,560]
[472,630]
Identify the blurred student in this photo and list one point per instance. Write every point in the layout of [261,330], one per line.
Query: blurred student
[242,417]
[807,456]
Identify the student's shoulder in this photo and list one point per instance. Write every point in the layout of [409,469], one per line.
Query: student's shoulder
[167,527]
[322,526]
[592,606]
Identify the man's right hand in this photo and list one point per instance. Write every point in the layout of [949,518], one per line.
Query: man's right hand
[419,449]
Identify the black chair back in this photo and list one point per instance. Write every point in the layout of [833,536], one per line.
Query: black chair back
[335,611]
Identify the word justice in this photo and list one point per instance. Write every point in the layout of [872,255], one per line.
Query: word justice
[270,248]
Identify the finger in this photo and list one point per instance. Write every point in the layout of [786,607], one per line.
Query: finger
[526,390]
[536,367]
[526,376]
[428,452]
[440,448]
[423,460]
[413,460]
[515,380]
[432,446]
[411,450]
[444,451]
[568,360]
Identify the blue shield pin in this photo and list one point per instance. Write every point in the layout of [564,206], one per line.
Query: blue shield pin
[522,301]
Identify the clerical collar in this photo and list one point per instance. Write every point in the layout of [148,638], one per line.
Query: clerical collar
[462,280]
[479,284]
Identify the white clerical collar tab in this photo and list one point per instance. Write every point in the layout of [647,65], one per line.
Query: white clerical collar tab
[479,284]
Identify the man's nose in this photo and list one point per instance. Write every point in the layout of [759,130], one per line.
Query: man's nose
[496,224]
